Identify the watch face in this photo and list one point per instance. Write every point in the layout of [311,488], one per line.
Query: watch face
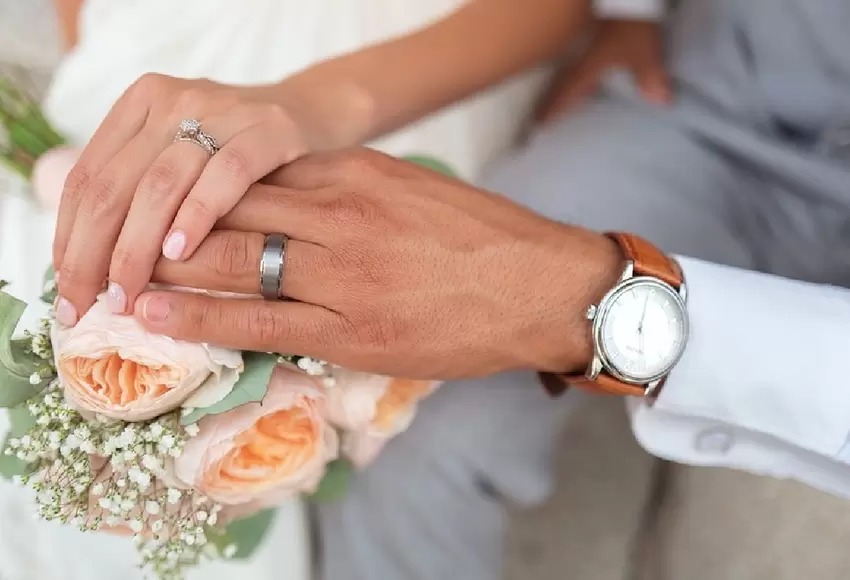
[642,331]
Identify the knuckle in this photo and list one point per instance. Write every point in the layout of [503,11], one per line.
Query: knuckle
[350,211]
[198,315]
[230,255]
[100,197]
[189,98]
[360,161]
[147,87]
[160,180]
[74,277]
[375,333]
[201,210]
[124,261]
[264,322]
[235,165]
[76,182]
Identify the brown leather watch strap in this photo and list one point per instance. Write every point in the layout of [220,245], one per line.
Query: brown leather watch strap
[649,260]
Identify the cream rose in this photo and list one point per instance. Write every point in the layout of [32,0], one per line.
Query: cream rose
[372,410]
[110,365]
[263,453]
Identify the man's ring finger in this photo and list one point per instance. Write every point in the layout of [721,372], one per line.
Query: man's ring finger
[272,265]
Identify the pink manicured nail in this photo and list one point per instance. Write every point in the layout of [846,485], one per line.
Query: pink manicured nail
[174,245]
[116,298]
[156,309]
[66,314]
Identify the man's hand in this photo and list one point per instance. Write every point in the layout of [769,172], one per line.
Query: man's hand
[393,269]
[634,45]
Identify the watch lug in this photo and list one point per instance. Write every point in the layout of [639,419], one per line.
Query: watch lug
[652,387]
[683,292]
[594,369]
[628,271]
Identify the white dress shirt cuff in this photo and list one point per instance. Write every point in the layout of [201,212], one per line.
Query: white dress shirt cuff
[762,377]
[630,9]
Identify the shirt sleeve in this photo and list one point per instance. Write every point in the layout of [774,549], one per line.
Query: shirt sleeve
[631,9]
[762,385]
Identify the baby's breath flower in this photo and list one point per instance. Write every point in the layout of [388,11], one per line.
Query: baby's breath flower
[311,366]
[72,487]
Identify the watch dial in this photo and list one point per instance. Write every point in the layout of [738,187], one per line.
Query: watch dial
[643,331]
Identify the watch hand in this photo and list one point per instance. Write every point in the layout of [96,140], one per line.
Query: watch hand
[641,339]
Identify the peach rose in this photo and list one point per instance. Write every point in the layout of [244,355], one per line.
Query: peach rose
[361,448]
[381,405]
[263,453]
[373,410]
[49,174]
[110,365]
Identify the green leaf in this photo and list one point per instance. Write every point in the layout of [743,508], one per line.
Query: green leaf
[16,365]
[432,164]
[21,421]
[250,388]
[49,286]
[335,483]
[246,534]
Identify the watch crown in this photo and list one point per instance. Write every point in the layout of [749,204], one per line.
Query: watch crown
[591,312]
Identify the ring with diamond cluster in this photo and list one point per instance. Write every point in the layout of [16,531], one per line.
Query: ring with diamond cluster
[272,264]
[190,131]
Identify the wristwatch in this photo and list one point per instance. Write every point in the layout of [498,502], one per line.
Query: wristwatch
[639,328]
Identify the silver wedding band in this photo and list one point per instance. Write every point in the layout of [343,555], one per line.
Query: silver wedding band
[191,132]
[272,266]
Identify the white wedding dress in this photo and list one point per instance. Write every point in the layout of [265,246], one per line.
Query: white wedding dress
[251,41]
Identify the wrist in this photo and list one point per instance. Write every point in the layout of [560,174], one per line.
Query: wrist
[332,111]
[584,269]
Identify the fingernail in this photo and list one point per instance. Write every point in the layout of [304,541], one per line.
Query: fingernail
[174,245]
[116,298]
[156,309]
[66,314]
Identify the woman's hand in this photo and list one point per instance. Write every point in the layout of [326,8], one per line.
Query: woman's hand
[634,45]
[393,269]
[135,194]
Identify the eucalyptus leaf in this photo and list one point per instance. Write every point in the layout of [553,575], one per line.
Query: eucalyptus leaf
[21,421]
[245,534]
[250,388]
[432,164]
[335,483]
[49,286]
[16,365]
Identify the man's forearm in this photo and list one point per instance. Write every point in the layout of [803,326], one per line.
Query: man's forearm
[365,94]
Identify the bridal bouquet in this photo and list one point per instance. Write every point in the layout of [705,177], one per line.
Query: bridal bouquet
[25,135]
[178,443]
[186,447]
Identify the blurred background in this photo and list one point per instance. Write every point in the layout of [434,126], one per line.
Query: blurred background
[617,513]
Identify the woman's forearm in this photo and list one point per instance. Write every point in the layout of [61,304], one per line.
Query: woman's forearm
[362,95]
[68,14]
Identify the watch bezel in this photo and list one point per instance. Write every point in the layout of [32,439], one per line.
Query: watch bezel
[601,314]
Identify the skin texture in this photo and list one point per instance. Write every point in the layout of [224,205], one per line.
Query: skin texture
[134,195]
[392,269]
[633,45]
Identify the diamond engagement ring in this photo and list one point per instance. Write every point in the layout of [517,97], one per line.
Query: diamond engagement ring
[190,131]
[271,266]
